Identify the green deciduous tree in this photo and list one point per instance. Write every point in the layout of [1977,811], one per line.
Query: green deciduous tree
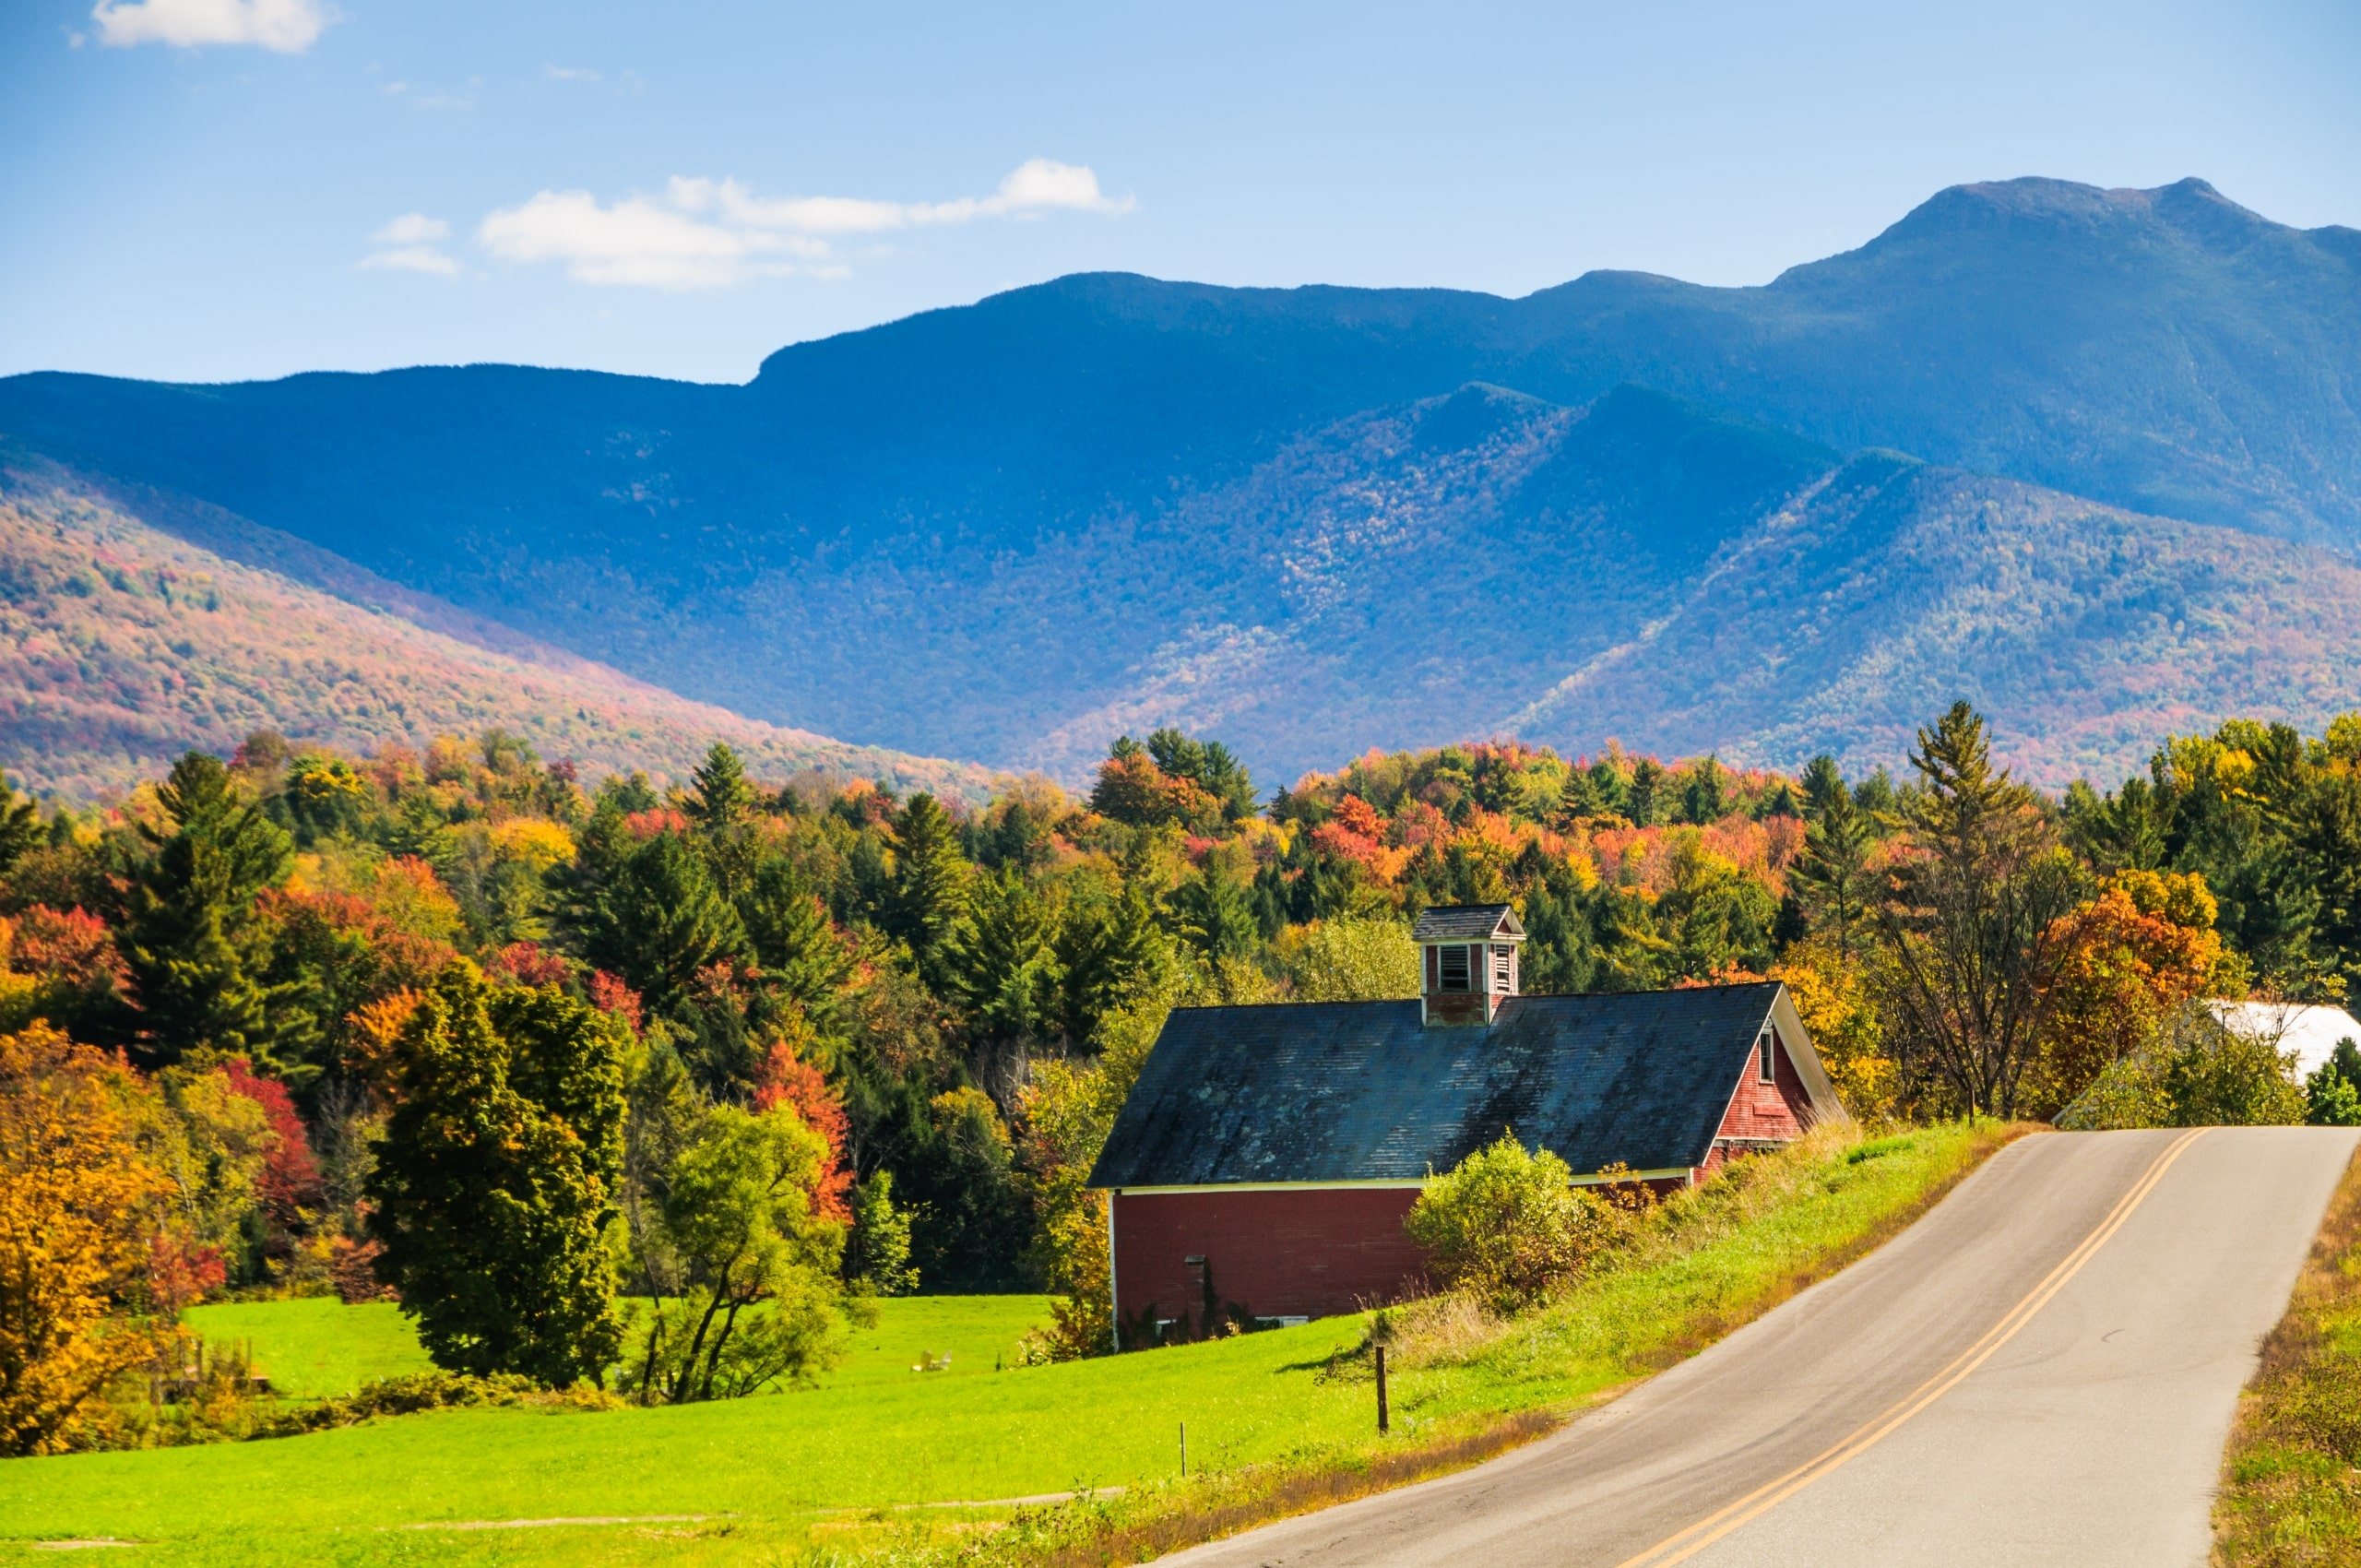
[744,1267]
[491,1207]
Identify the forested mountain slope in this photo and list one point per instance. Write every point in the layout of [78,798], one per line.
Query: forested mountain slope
[1003,530]
[121,645]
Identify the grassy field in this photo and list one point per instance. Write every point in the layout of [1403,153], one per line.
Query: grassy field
[321,1348]
[771,1478]
[2291,1484]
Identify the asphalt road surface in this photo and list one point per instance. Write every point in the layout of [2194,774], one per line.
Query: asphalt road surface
[2042,1371]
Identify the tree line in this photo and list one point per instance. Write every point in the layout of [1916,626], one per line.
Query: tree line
[657,1085]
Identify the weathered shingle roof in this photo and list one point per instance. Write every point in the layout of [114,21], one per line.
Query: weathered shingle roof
[1463,922]
[1361,1091]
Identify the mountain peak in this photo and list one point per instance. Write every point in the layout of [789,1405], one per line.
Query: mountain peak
[2189,207]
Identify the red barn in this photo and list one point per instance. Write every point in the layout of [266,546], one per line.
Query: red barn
[1263,1163]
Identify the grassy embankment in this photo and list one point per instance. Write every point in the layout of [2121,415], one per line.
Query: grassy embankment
[1277,1422]
[2291,1482]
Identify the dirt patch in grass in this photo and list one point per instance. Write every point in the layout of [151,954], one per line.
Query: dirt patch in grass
[2291,1477]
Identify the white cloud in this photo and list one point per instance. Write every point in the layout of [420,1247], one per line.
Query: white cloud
[411,228]
[707,234]
[572,74]
[288,26]
[410,244]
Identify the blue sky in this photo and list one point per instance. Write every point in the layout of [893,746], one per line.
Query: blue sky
[218,189]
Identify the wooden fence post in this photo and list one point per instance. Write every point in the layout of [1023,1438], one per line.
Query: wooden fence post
[1383,1421]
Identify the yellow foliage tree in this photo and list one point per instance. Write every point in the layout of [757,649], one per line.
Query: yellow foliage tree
[77,1217]
[1838,1005]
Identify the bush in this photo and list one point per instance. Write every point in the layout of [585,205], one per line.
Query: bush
[1509,1225]
[2194,1073]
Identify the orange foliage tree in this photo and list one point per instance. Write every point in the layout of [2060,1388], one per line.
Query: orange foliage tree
[2127,960]
[78,1220]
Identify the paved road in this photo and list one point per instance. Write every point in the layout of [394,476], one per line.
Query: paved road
[2041,1372]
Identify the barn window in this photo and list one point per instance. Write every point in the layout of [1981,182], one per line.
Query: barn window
[1503,957]
[1454,970]
[1765,1053]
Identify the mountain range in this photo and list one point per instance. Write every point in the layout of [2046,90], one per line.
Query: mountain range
[2089,458]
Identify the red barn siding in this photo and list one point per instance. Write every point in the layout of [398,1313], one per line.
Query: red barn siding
[1285,1253]
[1761,1113]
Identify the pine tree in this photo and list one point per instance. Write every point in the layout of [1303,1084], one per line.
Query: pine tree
[1833,877]
[20,830]
[1109,954]
[999,961]
[719,797]
[720,807]
[492,1209]
[788,932]
[189,935]
[929,889]
[1703,798]
[1643,799]
[1822,781]
[658,919]
[1967,918]
[1216,916]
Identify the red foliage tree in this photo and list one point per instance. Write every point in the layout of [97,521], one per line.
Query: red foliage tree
[786,1079]
[290,1176]
[611,996]
[528,963]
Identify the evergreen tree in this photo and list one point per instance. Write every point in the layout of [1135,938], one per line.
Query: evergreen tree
[20,826]
[791,936]
[490,1207]
[1822,782]
[1832,879]
[1644,799]
[720,808]
[1969,917]
[658,920]
[1108,954]
[189,935]
[998,960]
[1560,955]
[1214,915]
[1704,798]
[719,797]
[929,889]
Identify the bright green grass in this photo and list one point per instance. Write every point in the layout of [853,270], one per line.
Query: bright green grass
[315,1349]
[320,1348]
[777,1466]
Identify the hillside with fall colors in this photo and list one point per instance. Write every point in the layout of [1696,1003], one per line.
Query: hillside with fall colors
[123,646]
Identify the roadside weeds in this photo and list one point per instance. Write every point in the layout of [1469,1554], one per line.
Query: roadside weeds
[2291,1477]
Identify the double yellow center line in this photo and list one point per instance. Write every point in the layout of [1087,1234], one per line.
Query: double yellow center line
[1679,1547]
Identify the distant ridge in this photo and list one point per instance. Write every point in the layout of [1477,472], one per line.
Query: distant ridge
[121,646]
[1004,530]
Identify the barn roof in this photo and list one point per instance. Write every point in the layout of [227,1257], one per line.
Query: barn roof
[1466,922]
[1362,1091]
